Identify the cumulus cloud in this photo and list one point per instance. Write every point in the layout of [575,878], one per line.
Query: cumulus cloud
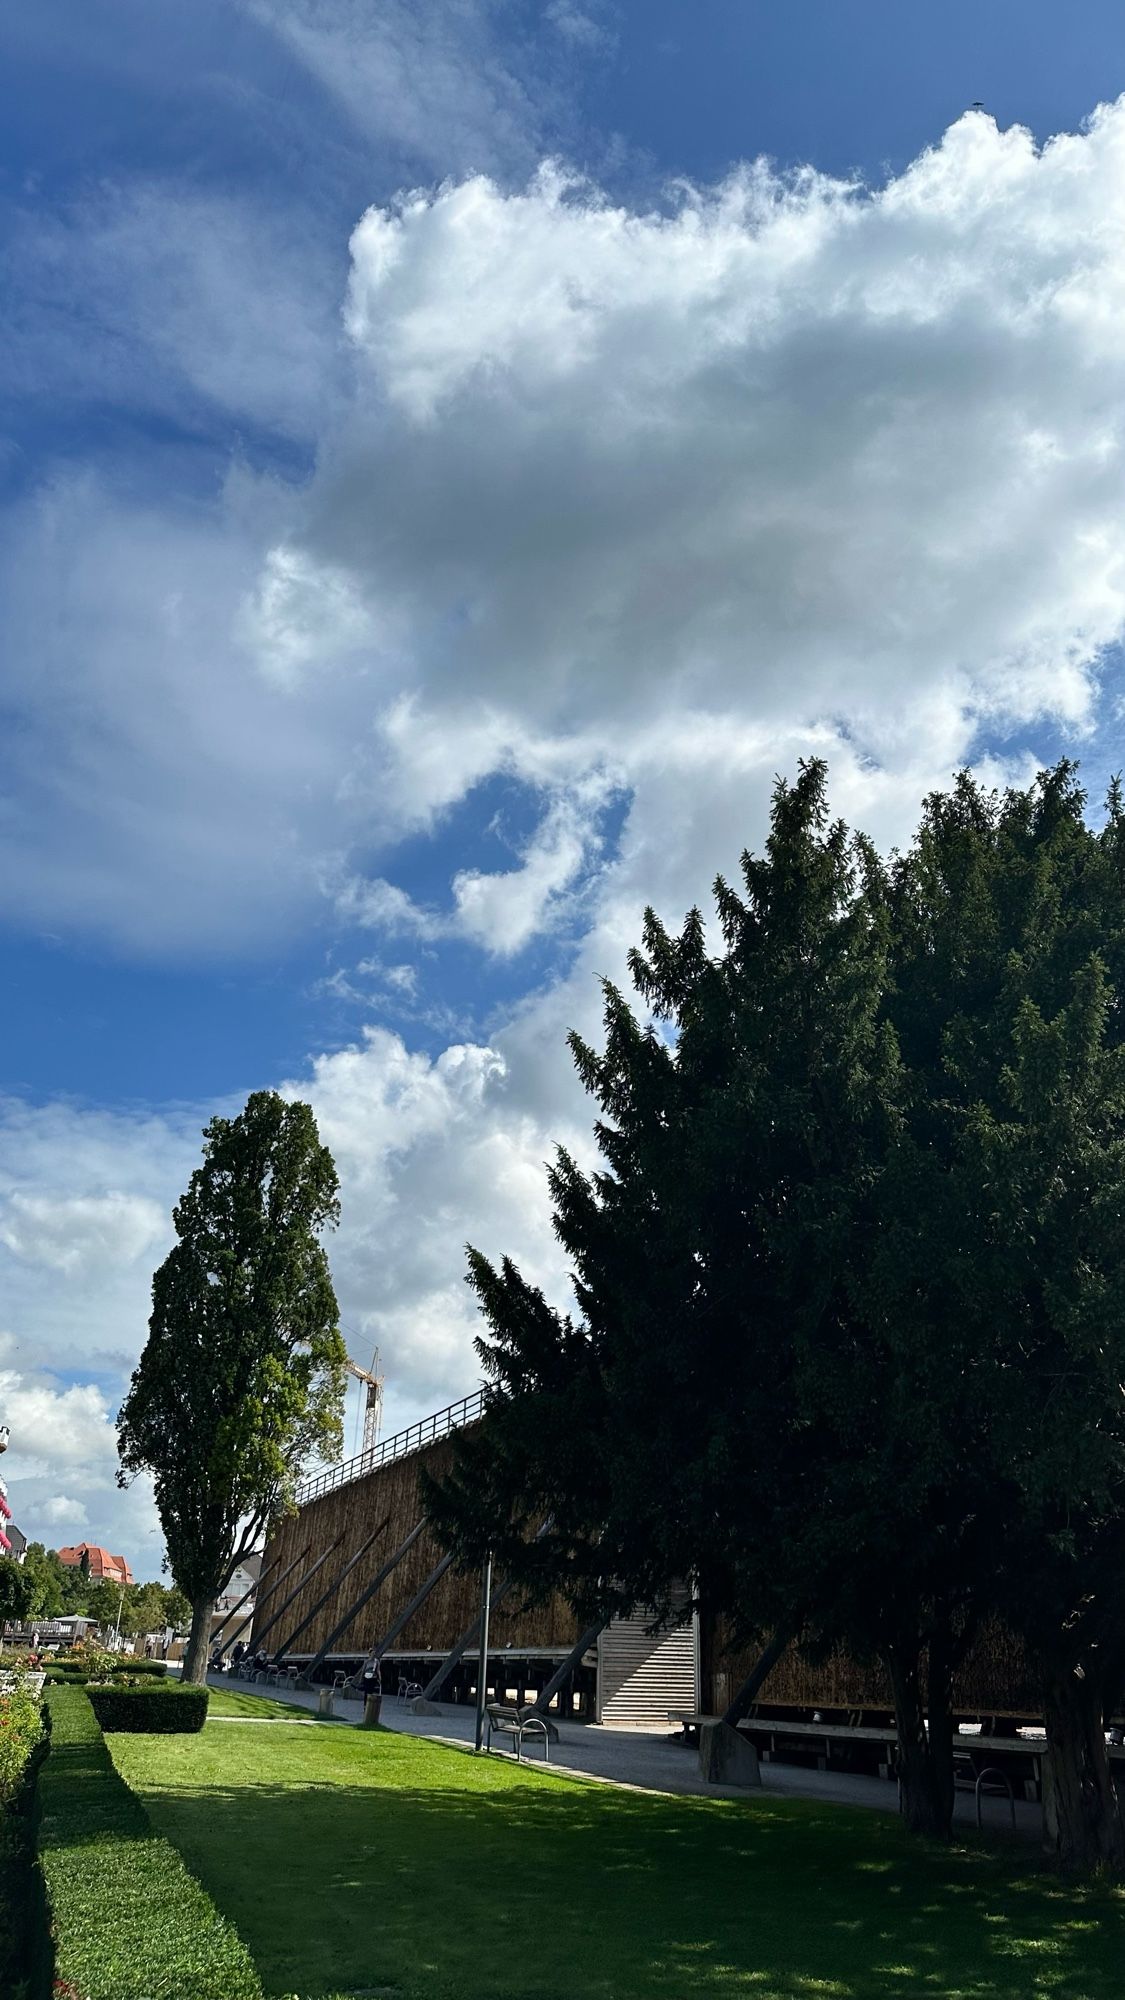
[432,1152]
[80,1234]
[789,449]
[63,1437]
[781,458]
[85,1215]
[63,1512]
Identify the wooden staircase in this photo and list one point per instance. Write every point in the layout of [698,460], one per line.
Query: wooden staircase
[641,1675]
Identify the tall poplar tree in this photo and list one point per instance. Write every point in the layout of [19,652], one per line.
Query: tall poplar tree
[242,1377]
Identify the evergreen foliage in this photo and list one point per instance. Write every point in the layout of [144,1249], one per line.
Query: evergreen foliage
[847,1348]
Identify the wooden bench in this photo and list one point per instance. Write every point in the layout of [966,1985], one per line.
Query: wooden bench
[507,1720]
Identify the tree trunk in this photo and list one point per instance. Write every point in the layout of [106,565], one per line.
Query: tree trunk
[195,1659]
[1081,1816]
[939,1713]
[926,1794]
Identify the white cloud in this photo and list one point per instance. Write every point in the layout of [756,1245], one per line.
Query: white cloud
[63,1437]
[85,1216]
[63,1512]
[576,24]
[431,1153]
[443,83]
[154,294]
[787,450]
[81,1234]
[503,911]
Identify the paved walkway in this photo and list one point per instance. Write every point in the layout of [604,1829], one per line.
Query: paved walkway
[652,1760]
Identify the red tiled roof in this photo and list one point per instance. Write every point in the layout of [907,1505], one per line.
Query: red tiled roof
[103,1566]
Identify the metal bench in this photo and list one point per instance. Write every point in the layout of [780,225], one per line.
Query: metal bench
[347,1685]
[505,1719]
[991,1783]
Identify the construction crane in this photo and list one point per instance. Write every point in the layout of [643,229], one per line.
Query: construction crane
[373,1408]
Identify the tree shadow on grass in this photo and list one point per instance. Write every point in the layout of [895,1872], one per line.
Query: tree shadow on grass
[538,1890]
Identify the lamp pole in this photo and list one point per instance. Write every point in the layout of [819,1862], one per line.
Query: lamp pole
[482,1665]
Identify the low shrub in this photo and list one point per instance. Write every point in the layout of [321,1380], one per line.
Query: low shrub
[77,1673]
[24,1944]
[160,1708]
[21,1735]
[130,1922]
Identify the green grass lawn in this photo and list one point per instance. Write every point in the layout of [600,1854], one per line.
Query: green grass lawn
[376,1864]
[237,1701]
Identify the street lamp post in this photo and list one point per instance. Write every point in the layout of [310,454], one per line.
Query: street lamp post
[482,1666]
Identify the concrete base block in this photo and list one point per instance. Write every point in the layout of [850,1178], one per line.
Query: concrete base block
[726,1757]
[420,1706]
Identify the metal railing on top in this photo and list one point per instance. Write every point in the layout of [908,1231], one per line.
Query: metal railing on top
[452,1418]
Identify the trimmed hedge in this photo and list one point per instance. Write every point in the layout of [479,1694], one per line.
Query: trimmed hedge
[74,1674]
[163,1708]
[130,1922]
[25,1968]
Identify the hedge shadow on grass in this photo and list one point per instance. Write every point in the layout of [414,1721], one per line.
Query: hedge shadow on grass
[129,1921]
[533,1887]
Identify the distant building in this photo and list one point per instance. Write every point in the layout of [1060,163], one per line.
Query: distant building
[104,1568]
[17,1541]
[243,1584]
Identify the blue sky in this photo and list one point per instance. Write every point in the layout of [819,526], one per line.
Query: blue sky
[443,479]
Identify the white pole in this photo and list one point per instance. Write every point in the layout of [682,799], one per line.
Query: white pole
[482,1657]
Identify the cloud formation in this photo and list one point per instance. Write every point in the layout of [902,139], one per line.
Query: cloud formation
[784,457]
[624,506]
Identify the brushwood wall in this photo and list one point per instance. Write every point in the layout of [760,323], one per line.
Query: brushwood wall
[341,1521]
[994,1678]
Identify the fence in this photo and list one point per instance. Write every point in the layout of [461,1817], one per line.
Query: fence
[453,1418]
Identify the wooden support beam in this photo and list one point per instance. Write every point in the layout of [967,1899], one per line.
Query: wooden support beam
[354,1610]
[330,1593]
[403,1619]
[298,1587]
[461,1646]
[748,1692]
[589,1638]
